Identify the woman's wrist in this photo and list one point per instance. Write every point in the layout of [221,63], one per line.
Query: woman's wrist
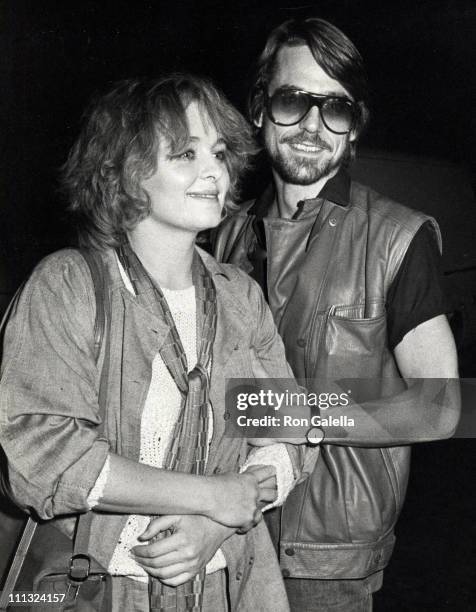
[211,497]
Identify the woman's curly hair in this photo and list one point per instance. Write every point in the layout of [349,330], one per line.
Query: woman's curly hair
[118,145]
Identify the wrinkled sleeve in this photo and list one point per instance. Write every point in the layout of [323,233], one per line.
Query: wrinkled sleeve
[49,390]
[277,456]
[270,352]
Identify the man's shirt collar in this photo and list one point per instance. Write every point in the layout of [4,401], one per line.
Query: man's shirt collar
[336,189]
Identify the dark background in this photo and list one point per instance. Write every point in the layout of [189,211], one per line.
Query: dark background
[419,147]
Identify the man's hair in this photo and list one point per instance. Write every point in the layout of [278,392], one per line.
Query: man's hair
[331,49]
[118,145]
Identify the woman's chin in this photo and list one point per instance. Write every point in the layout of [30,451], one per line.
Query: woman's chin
[212,219]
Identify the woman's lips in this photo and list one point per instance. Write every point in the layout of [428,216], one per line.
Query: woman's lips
[207,195]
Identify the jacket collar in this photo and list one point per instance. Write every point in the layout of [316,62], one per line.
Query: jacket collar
[336,190]
[234,316]
[212,265]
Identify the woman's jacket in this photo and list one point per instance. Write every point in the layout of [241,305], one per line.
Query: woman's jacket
[49,400]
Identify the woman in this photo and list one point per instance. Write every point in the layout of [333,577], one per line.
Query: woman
[155,164]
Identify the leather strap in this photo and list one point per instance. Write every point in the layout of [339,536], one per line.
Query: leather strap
[17,563]
[101,294]
[80,560]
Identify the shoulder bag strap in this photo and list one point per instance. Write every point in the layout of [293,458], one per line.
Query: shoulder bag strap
[80,560]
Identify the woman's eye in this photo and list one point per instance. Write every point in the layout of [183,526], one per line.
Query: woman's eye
[221,155]
[186,155]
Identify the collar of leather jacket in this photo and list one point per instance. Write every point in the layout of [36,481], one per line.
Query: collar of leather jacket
[337,190]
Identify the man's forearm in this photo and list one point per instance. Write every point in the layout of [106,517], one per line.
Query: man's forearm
[428,410]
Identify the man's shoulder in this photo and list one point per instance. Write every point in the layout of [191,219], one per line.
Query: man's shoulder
[384,209]
[241,215]
[244,209]
[230,240]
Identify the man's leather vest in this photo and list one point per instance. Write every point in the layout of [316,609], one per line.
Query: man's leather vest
[339,523]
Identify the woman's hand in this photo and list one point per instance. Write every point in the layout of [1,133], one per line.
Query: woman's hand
[238,498]
[177,558]
[268,485]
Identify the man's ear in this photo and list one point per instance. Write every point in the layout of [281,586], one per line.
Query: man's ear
[354,134]
[258,120]
[360,125]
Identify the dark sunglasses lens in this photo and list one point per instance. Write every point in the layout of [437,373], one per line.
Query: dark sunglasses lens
[338,115]
[288,107]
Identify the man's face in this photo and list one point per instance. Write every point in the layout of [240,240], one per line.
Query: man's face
[304,153]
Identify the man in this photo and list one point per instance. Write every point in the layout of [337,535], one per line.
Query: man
[353,283]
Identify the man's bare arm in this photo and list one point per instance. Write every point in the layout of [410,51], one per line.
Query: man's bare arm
[428,351]
[428,410]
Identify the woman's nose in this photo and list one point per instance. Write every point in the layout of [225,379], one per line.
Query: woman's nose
[212,168]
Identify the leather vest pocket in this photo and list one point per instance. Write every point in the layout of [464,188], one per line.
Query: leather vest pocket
[353,346]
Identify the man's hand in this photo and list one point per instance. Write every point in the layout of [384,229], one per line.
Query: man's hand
[177,558]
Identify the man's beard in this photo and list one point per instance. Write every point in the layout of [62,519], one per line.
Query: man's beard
[301,170]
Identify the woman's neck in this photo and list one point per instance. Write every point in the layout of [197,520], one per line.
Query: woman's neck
[166,256]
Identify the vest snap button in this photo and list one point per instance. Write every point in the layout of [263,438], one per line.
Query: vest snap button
[332,221]
[301,342]
[289,552]
[286,573]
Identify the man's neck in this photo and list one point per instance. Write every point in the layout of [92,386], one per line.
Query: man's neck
[288,194]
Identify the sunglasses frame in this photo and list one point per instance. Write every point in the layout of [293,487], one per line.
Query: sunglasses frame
[313,100]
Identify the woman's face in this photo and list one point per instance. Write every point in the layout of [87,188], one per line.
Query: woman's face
[188,189]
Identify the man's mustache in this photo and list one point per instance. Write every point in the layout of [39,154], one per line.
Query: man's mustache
[314,140]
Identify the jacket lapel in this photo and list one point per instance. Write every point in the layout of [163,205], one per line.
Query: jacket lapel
[230,346]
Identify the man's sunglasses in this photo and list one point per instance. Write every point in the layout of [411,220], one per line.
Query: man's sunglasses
[290,106]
